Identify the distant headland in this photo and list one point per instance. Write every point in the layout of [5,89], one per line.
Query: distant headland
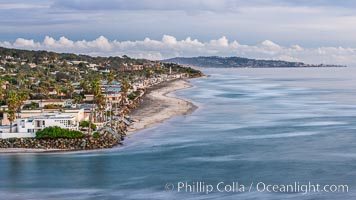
[239,62]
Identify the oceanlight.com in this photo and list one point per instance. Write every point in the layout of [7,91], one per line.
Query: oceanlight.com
[236,187]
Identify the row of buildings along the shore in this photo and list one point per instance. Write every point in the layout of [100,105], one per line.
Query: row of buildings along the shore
[65,113]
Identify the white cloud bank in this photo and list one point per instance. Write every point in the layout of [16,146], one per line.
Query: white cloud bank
[169,47]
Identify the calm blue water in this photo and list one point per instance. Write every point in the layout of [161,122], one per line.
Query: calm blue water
[274,126]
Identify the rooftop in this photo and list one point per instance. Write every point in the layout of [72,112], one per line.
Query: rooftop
[56,116]
[113,89]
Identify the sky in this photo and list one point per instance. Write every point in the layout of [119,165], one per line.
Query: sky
[311,31]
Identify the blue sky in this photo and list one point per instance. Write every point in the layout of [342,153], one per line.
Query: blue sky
[312,31]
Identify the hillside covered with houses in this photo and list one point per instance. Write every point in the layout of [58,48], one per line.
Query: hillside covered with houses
[40,89]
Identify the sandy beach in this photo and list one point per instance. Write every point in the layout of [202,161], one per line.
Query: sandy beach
[159,105]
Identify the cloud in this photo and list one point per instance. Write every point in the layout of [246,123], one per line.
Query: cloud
[170,46]
[211,5]
[222,42]
[12,6]
[307,23]
[190,5]
[271,45]
[23,43]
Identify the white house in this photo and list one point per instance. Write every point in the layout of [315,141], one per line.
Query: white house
[27,127]
[77,62]
[77,113]
[32,65]
[33,124]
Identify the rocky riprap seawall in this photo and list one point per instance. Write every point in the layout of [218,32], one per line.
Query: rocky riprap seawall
[104,141]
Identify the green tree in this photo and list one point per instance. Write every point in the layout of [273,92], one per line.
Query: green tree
[95,90]
[12,104]
[78,99]
[111,78]
[20,78]
[125,86]
[57,88]
[2,90]
[85,86]
[69,89]
[22,96]
[100,104]
[86,124]
[44,91]
[95,87]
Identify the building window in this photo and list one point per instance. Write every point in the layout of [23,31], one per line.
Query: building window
[22,123]
[38,124]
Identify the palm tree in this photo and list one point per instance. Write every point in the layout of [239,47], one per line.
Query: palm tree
[125,86]
[95,87]
[78,99]
[96,90]
[111,78]
[70,89]
[22,96]
[20,78]
[28,83]
[57,88]
[44,88]
[11,116]
[44,91]
[100,103]
[12,104]
[1,90]
[85,86]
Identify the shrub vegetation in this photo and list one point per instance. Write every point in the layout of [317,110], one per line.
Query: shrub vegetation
[57,132]
[96,135]
[86,124]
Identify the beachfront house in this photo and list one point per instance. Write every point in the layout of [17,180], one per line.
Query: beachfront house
[77,113]
[33,124]
[27,127]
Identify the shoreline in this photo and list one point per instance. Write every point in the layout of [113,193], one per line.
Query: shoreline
[24,150]
[159,105]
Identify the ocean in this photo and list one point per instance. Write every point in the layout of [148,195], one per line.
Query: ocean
[257,134]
